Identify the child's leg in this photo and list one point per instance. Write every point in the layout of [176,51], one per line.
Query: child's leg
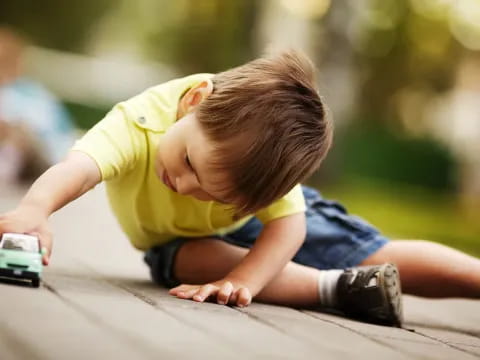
[430,269]
[207,260]
[369,293]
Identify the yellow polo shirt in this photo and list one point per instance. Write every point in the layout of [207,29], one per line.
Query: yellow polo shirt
[124,145]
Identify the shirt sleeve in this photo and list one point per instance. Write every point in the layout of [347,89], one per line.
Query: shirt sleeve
[115,143]
[293,202]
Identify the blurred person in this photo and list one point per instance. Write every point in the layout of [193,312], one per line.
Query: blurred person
[204,174]
[35,130]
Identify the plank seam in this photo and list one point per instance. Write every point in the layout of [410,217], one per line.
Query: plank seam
[399,339]
[374,339]
[447,343]
[473,333]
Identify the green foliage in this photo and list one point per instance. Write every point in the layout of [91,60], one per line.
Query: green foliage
[212,36]
[55,24]
[372,151]
[85,116]
[421,53]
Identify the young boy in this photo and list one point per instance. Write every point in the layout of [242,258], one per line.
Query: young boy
[200,168]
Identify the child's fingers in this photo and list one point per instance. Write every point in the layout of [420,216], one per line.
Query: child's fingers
[45,257]
[234,297]
[224,293]
[173,291]
[244,298]
[205,291]
[179,288]
[188,293]
[45,246]
[46,251]
[184,291]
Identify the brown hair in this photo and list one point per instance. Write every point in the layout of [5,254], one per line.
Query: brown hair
[270,112]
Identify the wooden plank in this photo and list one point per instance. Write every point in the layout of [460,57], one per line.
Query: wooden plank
[464,342]
[134,320]
[410,343]
[37,324]
[326,337]
[12,347]
[226,325]
[460,315]
[86,230]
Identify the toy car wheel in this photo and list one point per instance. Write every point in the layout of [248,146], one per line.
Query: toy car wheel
[36,283]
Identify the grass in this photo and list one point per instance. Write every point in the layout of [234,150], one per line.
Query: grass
[405,212]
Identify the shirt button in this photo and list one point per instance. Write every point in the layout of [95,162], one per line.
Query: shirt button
[142,120]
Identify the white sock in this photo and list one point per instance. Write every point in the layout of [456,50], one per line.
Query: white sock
[327,287]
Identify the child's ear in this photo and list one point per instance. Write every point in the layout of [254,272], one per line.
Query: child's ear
[198,93]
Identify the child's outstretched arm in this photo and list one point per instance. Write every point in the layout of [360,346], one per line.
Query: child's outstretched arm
[59,185]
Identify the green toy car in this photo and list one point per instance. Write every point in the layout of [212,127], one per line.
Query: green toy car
[20,258]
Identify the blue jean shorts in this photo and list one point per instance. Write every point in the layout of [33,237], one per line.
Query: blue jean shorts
[334,240]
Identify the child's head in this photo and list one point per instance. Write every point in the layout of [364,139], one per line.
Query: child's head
[253,133]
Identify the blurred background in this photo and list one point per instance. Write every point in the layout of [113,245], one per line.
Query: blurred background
[402,79]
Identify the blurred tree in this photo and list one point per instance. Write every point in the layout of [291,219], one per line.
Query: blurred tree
[400,48]
[391,53]
[206,36]
[370,150]
[56,24]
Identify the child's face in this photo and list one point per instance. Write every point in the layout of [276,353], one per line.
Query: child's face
[182,161]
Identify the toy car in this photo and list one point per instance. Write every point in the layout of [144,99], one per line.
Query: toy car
[21,258]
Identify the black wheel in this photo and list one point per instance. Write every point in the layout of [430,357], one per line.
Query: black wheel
[35,283]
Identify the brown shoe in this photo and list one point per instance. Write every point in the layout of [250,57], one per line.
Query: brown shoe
[372,294]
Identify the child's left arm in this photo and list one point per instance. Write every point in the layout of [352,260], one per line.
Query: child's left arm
[275,247]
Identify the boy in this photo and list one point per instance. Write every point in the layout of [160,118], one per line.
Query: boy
[189,162]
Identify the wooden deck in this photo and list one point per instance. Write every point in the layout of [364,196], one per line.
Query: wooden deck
[97,302]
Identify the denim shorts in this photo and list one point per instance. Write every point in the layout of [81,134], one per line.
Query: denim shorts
[334,240]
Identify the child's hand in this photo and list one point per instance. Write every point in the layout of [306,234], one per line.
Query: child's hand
[224,290]
[29,220]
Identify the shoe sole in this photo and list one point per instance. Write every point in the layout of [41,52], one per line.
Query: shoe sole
[390,283]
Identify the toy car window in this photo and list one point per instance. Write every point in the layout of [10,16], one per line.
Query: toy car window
[20,244]
[10,244]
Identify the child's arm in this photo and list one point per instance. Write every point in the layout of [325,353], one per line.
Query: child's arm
[278,242]
[59,185]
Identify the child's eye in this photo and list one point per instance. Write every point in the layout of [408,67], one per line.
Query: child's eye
[187,161]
